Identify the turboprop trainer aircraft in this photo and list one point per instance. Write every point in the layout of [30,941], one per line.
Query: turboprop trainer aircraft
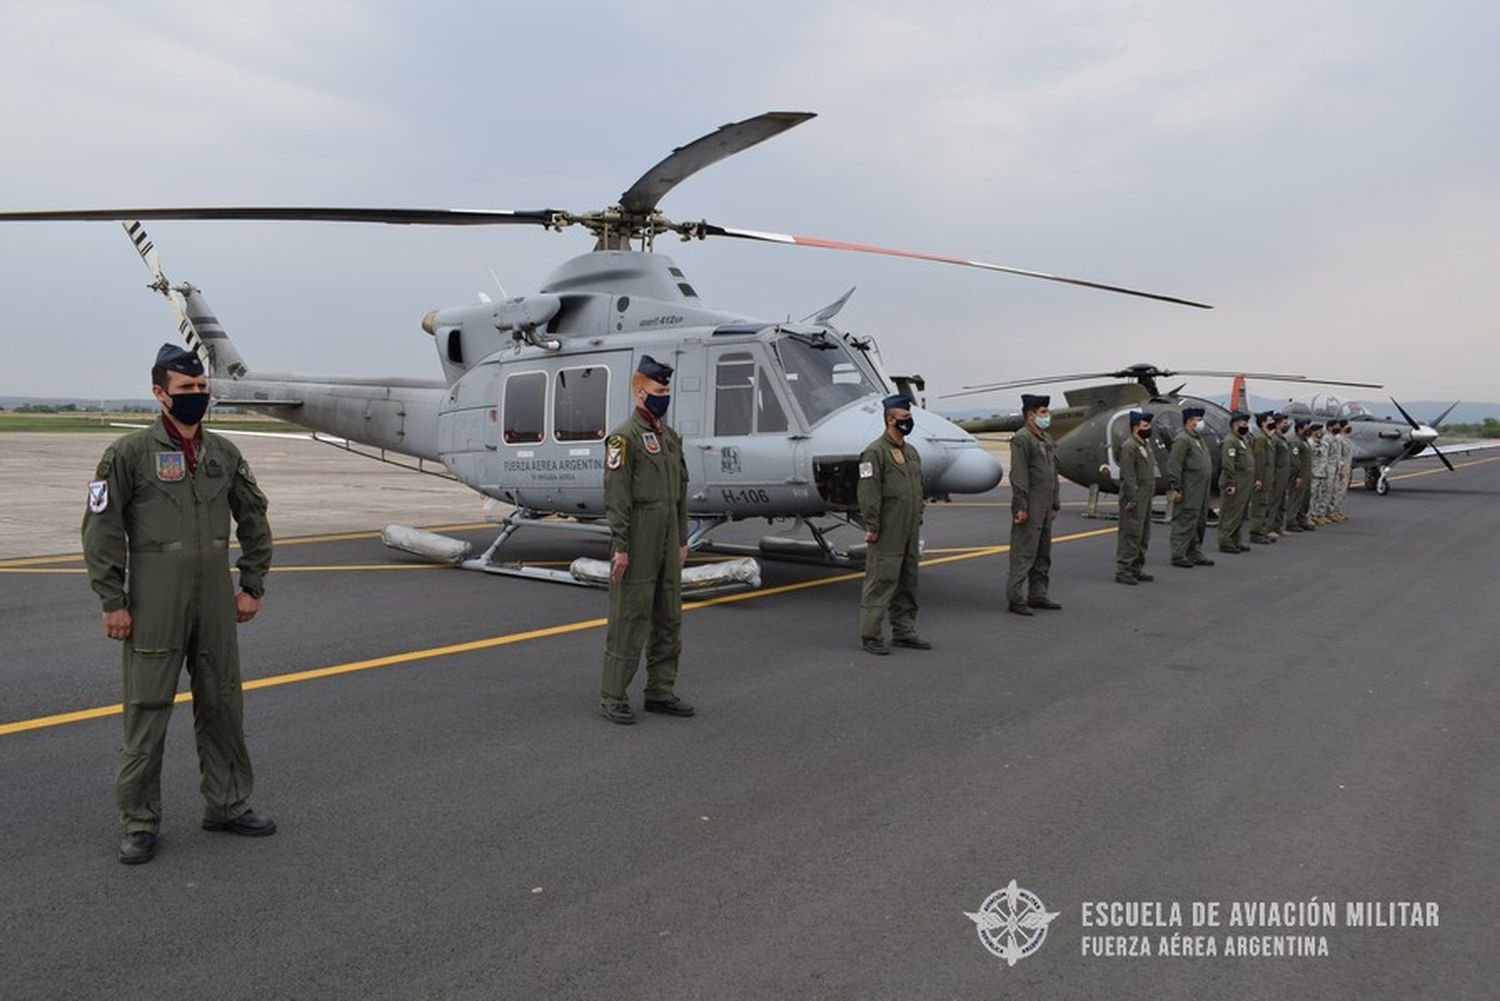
[1381,442]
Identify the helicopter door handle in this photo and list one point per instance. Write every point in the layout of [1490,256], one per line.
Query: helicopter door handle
[796,480]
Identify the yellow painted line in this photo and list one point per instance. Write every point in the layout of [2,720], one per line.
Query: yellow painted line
[432,653]
[32,561]
[1068,503]
[294,540]
[33,570]
[1443,469]
[274,570]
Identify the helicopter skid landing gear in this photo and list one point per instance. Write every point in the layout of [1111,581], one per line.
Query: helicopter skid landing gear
[697,581]
[487,563]
[819,549]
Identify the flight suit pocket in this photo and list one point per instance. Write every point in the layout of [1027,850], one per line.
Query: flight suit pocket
[150,677]
[216,680]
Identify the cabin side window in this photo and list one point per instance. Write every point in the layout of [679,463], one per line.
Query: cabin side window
[768,413]
[734,393]
[745,400]
[525,408]
[580,405]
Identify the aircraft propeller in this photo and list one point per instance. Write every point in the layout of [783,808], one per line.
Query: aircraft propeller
[1425,436]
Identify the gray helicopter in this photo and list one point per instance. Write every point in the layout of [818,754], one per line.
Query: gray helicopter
[774,414]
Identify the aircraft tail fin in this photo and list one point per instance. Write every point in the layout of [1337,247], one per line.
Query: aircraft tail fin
[196,323]
[1239,398]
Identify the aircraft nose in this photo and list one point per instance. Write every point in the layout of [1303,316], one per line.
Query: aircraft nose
[970,471]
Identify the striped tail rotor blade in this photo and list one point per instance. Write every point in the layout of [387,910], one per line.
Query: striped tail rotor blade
[152,260]
[708,229]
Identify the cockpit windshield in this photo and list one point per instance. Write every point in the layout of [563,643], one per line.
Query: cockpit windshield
[1353,409]
[822,374]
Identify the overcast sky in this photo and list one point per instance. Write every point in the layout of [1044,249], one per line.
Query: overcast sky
[1324,173]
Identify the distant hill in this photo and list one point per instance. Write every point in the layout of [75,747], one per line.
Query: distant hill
[12,402]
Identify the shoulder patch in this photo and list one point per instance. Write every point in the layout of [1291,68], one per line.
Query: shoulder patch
[614,452]
[245,473]
[99,496]
[866,470]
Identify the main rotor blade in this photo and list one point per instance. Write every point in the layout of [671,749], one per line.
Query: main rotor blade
[1408,416]
[709,229]
[1041,381]
[685,161]
[394,217]
[1444,416]
[1273,377]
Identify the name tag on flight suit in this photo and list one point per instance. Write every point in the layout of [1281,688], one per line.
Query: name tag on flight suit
[212,469]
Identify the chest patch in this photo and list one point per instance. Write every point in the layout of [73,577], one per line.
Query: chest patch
[99,496]
[170,466]
[652,443]
[898,457]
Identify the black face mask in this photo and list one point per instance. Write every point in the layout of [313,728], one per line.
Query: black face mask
[1242,429]
[905,425]
[189,408]
[1143,433]
[657,404]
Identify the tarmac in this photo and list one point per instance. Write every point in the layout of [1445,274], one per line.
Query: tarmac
[1316,720]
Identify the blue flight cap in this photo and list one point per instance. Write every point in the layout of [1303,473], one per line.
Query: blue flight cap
[896,401]
[1136,416]
[1238,415]
[1190,412]
[1264,416]
[1303,422]
[1279,416]
[653,369]
[1031,402]
[176,359]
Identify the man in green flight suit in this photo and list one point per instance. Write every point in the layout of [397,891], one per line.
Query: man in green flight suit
[1137,488]
[1034,505]
[890,505]
[1263,448]
[645,497]
[1190,468]
[1236,483]
[1281,477]
[1299,490]
[156,540]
